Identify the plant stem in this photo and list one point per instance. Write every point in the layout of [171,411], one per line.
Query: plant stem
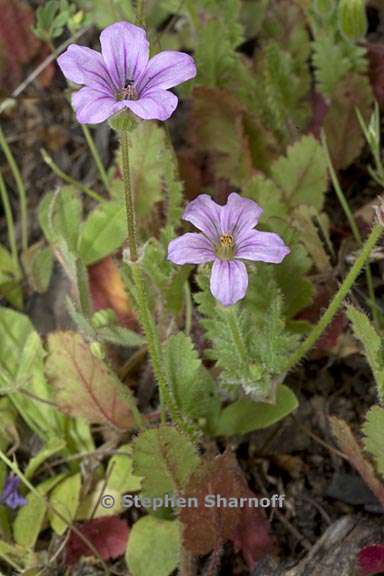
[10,222]
[20,188]
[355,229]
[129,196]
[237,336]
[337,300]
[15,469]
[145,316]
[140,12]
[54,167]
[96,156]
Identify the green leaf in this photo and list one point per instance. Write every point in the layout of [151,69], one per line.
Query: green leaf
[373,430]
[60,215]
[103,232]
[21,363]
[10,276]
[53,446]
[165,458]
[153,547]
[30,518]
[65,499]
[38,264]
[120,472]
[373,345]
[302,174]
[245,415]
[85,386]
[192,385]
[120,336]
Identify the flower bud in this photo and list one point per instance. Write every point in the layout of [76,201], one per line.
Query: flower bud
[324,8]
[353,23]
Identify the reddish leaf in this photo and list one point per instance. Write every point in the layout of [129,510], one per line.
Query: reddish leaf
[376,70]
[18,44]
[319,111]
[207,528]
[344,135]
[107,291]
[331,340]
[252,535]
[84,384]
[351,448]
[371,560]
[216,128]
[108,535]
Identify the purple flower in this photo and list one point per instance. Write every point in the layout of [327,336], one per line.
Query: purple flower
[227,238]
[10,496]
[122,76]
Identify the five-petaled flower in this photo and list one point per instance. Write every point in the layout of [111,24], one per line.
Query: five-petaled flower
[123,76]
[227,238]
[10,496]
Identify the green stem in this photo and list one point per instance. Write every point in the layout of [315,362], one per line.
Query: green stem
[337,300]
[20,188]
[237,336]
[355,229]
[96,156]
[129,197]
[16,470]
[54,167]
[10,222]
[140,12]
[145,316]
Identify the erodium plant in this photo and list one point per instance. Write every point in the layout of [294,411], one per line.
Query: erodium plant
[210,316]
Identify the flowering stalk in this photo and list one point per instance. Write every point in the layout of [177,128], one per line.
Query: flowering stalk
[145,316]
[326,319]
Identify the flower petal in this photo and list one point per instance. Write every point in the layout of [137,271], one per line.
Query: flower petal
[204,213]
[93,107]
[167,69]
[190,248]
[155,105]
[262,246]
[239,214]
[82,65]
[229,281]
[125,50]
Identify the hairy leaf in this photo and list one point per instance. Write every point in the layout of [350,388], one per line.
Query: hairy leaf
[349,445]
[374,429]
[193,388]
[302,174]
[165,458]
[206,528]
[64,498]
[373,345]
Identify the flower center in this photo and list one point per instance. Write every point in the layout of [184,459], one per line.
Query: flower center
[225,250]
[128,92]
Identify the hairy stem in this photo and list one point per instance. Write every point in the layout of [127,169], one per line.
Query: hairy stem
[326,319]
[354,228]
[145,315]
[96,156]
[237,337]
[129,196]
[20,188]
